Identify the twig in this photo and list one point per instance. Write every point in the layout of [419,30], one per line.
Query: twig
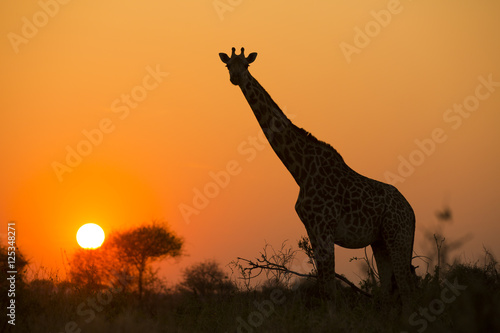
[263,264]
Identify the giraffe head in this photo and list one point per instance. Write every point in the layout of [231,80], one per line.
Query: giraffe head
[237,65]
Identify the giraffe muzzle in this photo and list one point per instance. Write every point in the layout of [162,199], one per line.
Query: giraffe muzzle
[235,79]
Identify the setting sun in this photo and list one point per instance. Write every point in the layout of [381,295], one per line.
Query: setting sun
[90,236]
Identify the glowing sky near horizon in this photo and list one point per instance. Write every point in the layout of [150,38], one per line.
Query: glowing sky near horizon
[121,112]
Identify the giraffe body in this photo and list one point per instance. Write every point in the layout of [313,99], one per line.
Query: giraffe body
[336,204]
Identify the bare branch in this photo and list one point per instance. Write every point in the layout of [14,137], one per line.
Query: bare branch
[266,265]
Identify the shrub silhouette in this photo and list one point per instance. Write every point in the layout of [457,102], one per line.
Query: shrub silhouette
[206,279]
[21,264]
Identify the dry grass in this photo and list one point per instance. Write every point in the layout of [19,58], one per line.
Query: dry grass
[49,306]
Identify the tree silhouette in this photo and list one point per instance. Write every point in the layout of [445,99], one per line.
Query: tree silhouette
[124,255]
[139,247]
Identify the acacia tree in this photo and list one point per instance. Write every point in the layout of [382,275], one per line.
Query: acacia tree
[139,247]
[124,255]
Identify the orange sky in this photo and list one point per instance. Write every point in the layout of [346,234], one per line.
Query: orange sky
[143,81]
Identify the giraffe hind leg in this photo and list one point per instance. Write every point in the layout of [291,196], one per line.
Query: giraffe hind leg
[400,252]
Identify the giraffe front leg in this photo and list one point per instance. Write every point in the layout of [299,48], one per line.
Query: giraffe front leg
[324,256]
[384,267]
[321,236]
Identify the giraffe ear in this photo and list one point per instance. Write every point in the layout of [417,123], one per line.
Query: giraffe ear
[224,57]
[251,57]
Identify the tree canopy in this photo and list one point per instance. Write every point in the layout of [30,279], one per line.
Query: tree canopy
[129,252]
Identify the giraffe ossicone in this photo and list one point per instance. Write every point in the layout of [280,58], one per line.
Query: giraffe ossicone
[336,204]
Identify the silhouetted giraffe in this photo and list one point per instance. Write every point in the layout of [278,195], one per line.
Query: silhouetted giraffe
[336,204]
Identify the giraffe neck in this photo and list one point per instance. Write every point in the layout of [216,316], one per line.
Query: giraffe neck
[295,147]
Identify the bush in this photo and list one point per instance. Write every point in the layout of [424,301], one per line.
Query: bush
[206,279]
